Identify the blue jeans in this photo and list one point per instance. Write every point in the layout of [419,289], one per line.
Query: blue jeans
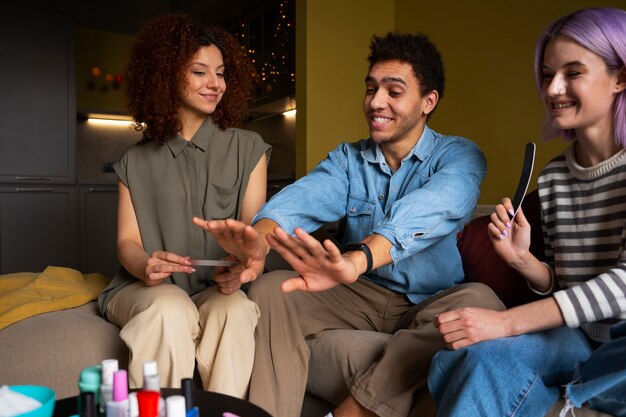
[601,379]
[521,376]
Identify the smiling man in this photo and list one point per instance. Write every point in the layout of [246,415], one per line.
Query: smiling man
[404,192]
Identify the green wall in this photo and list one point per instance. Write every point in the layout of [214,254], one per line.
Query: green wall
[487,47]
[332,44]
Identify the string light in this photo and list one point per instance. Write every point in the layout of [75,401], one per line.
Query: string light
[274,58]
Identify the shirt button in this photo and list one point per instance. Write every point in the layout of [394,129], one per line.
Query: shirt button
[381,197]
[353,210]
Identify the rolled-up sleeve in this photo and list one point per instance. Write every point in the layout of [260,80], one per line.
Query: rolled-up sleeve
[313,200]
[441,206]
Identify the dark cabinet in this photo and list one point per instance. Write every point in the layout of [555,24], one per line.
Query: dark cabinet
[38,228]
[37,81]
[68,226]
[99,229]
[38,197]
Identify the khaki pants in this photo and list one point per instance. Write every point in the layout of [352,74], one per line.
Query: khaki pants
[390,384]
[163,323]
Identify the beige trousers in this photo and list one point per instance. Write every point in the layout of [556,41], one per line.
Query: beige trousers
[393,385]
[165,324]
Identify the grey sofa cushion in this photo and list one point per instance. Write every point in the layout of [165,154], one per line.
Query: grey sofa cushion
[51,349]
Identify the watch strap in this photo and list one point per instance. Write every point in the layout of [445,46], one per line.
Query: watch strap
[354,246]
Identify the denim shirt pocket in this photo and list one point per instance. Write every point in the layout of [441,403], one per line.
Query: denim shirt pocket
[360,215]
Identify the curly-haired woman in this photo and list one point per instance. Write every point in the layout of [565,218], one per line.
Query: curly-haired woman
[187,86]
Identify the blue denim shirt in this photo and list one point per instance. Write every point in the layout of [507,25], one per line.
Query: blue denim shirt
[419,208]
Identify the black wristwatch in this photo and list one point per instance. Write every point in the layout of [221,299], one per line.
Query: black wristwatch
[354,246]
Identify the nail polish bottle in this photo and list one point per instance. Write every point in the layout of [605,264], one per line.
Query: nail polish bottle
[109,366]
[151,380]
[175,406]
[186,385]
[119,405]
[90,380]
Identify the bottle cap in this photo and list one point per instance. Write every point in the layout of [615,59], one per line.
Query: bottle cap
[175,406]
[148,403]
[120,385]
[108,367]
[92,375]
[150,368]
[187,391]
[90,380]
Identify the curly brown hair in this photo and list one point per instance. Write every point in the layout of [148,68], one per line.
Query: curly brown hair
[156,71]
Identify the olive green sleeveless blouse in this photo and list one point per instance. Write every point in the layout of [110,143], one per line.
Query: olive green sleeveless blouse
[169,184]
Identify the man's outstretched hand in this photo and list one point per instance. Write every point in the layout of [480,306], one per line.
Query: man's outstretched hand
[240,240]
[320,266]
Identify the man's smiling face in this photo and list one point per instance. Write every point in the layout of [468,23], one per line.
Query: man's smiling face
[393,105]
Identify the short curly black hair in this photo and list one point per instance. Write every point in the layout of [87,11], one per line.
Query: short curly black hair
[417,50]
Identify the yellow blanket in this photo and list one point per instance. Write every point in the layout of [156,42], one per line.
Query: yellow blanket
[27,294]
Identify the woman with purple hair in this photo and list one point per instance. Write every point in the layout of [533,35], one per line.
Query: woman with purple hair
[514,362]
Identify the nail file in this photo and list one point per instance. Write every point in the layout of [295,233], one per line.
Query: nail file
[210,262]
[524,181]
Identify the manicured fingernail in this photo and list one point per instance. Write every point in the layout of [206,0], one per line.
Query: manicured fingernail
[508,225]
[505,232]
[511,212]
[501,236]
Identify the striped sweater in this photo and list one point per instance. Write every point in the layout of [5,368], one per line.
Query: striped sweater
[583,212]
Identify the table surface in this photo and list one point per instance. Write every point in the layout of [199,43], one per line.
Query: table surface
[210,404]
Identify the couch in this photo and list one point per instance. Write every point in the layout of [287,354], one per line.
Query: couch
[51,349]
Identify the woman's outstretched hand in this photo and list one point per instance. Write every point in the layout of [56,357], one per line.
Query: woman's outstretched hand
[242,241]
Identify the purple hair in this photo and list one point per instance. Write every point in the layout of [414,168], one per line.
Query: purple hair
[603,32]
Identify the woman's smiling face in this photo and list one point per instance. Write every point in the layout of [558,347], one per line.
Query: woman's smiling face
[205,84]
[578,89]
